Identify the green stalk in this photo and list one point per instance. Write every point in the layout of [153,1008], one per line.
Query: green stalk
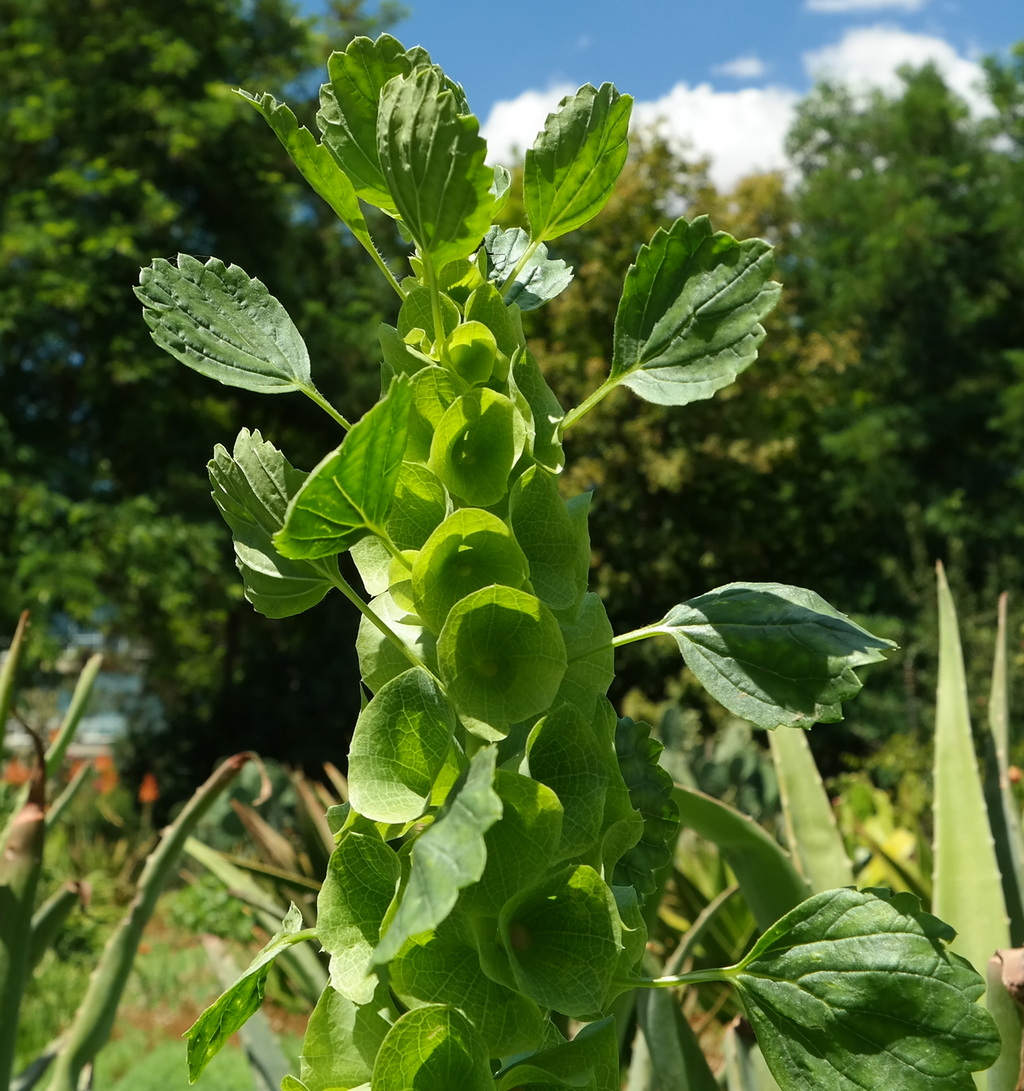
[94,1019]
[967,888]
[83,689]
[63,801]
[314,395]
[20,865]
[7,673]
[49,918]
[1003,809]
[814,839]
[588,403]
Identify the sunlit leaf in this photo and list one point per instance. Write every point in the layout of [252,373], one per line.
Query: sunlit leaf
[252,487]
[223,323]
[433,1048]
[349,494]
[540,279]
[342,1041]
[689,320]
[571,169]
[772,653]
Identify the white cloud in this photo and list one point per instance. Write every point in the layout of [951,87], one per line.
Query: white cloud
[847,6]
[870,57]
[744,131]
[742,68]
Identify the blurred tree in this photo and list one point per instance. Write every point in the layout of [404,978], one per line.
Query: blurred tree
[122,142]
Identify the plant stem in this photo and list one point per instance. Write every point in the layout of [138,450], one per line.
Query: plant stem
[364,608]
[520,265]
[587,404]
[314,395]
[636,634]
[673,981]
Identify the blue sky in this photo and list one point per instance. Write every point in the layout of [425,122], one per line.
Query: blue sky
[721,76]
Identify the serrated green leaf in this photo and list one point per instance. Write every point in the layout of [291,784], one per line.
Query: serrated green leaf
[650,792]
[563,938]
[539,280]
[554,538]
[589,1062]
[342,1041]
[563,753]
[349,494]
[501,655]
[448,856]
[232,1008]
[221,322]
[316,164]
[771,653]
[443,967]
[476,444]
[360,883]
[854,989]
[399,746]
[689,320]
[770,883]
[471,549]
[433,1048]
[349,106]
[252,487]
[432,160]
[571,169]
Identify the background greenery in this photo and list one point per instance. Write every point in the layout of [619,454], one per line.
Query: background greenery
[880,430]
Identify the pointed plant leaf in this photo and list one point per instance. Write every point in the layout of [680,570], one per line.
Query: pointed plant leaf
[252,487]
[399,745]
[219,321]
[432,160]
[571,169]
[433,1048]
[771,653]
[855,989]
[349,105]
[448,856]
[315,163]
[689,320]
[232,1008]
[349,494]
[539,280]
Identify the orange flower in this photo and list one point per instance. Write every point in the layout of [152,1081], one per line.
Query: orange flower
[149,792]
[16,773]
[106,782]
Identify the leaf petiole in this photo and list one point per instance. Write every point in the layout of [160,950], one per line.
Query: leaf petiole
[674,981]
[637,634]
[314,395]
[587,404]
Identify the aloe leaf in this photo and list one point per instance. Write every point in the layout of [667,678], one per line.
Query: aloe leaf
[241,999]
[432,160]
[689,320]
[219,321]
[1003,808]
[571,169]
[675,1053]
[57,749]
[538,281]
[399,746]
[771,653]
[855,989]
[745,1068]
[94,1019]
[349,494]
[8,670]
[770,883]
[349,106]
[252,487]
[967,888]
[810,823]
[433,1048]
[448,856]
